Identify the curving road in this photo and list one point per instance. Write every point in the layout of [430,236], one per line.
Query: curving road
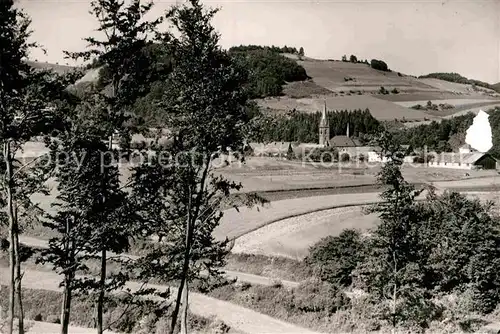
[237,317]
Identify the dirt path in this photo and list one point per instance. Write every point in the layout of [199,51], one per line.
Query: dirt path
[38,327]
[229,274]
[237,317]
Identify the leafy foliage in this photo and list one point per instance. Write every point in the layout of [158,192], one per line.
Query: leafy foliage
[268,70]
[335,257]
[178,194]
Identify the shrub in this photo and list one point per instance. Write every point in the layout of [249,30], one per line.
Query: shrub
[326,154]
[335,257]
[38,317]
[395,91]
[314,295]
[344,157]
[379,65]
[382,90]
[54,319]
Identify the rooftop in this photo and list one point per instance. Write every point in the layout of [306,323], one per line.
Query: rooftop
[344,141]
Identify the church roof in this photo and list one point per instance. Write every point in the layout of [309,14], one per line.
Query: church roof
[344,141]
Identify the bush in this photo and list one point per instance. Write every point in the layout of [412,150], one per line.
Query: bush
[38,317]
[335,257]
[344,157]
[314,295]
[395,91]
[54,319]
[383,91]
[379,65]
[326,154]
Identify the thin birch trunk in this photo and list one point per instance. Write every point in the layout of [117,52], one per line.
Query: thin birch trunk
[12,239]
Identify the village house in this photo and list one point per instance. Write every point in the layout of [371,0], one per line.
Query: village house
[465,158]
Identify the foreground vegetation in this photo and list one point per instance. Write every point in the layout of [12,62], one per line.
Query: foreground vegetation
[44,305]
[95,215]
[429,266]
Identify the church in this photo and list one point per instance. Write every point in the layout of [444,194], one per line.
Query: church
[341,143]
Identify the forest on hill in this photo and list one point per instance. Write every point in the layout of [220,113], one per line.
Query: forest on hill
[265,69]
[301,127]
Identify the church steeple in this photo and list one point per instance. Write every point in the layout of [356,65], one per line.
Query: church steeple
[324,128]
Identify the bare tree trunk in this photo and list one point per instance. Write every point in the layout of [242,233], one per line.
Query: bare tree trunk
[102,287]
[69,276]
[102,281]
[183,288]
[12,239]
[185,306]
[66,306]
[19,277]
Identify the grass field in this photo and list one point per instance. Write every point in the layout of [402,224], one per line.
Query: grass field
[454,102]
[292,237]
[331,74]
[380,109]
[426,96]
[455,87]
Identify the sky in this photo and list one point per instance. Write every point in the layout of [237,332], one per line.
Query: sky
[413,37]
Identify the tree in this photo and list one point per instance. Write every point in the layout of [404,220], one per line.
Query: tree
[344,58]
[206,89]
[393,270]
[25,95]
[121,55]
[301,52]
[77,163]
[353,59]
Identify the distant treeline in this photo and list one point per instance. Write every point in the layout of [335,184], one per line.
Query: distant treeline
[277,49]
[455,77]
[301,127]
[449,134]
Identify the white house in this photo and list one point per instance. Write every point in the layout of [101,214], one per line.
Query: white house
[466,158]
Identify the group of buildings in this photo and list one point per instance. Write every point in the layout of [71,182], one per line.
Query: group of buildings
[466,158]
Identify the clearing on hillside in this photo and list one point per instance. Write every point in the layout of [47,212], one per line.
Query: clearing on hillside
[457,87]
[337,76]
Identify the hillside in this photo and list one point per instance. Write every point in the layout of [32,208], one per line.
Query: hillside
[346,85]
[496,87]
[307,82]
